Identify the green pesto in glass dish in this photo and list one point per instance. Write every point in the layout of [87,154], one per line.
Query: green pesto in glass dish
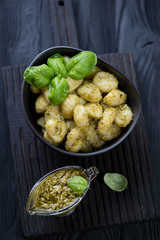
[54,194]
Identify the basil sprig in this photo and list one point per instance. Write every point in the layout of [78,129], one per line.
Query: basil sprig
[81,64]
[38,76]
[77,184]
[58,65]
[58,90]
[117,182]
[77,68]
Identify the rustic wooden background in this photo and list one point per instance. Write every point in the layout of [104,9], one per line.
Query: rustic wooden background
[103,26]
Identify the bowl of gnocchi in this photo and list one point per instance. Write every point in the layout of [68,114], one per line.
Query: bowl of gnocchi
[77,103]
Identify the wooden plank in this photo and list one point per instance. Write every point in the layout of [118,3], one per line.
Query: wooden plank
[32,159]
[62,23]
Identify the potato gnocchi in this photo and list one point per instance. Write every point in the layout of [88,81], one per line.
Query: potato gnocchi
[94,112]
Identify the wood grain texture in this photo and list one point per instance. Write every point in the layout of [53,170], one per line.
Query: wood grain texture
[33,159]
[62,24]
[141,22]
[124,26]
[96,25]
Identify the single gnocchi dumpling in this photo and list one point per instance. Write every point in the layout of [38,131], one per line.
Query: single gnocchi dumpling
[105,81]
[82,101]
[98,141]
[70,125]
[53,112]
[94,110]
[89,92]
[86,147]
[46,94]
[91,135]
[110,133]
[89,131]
[41,104]
[80,116]
[68,105]
[47,137]
[74,140]
[115,98]
[56,130]
[93,72]
[123,116]
[73,84]
[35,90]
[106,120]
[41,121]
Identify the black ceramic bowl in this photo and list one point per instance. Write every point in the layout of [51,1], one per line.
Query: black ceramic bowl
[125,85]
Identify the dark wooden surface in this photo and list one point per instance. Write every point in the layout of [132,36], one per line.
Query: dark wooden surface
[102,26]
[32,160]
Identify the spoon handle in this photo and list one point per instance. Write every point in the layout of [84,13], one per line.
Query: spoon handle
[92,172]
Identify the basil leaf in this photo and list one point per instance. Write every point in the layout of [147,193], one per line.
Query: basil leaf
[115,181]
[38,76]
[58,90]
[81,64]
[58,55]
[58,65]
[77,184]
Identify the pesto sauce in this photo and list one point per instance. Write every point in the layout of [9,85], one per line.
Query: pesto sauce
[54,194]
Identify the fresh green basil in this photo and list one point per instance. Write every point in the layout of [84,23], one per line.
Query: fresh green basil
[38,76]
[58,65]
[58,55]
[58,90]
[77,68]
[77,184]
[117,182]
[81,64]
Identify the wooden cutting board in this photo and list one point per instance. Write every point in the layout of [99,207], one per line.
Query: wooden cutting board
[101,207]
